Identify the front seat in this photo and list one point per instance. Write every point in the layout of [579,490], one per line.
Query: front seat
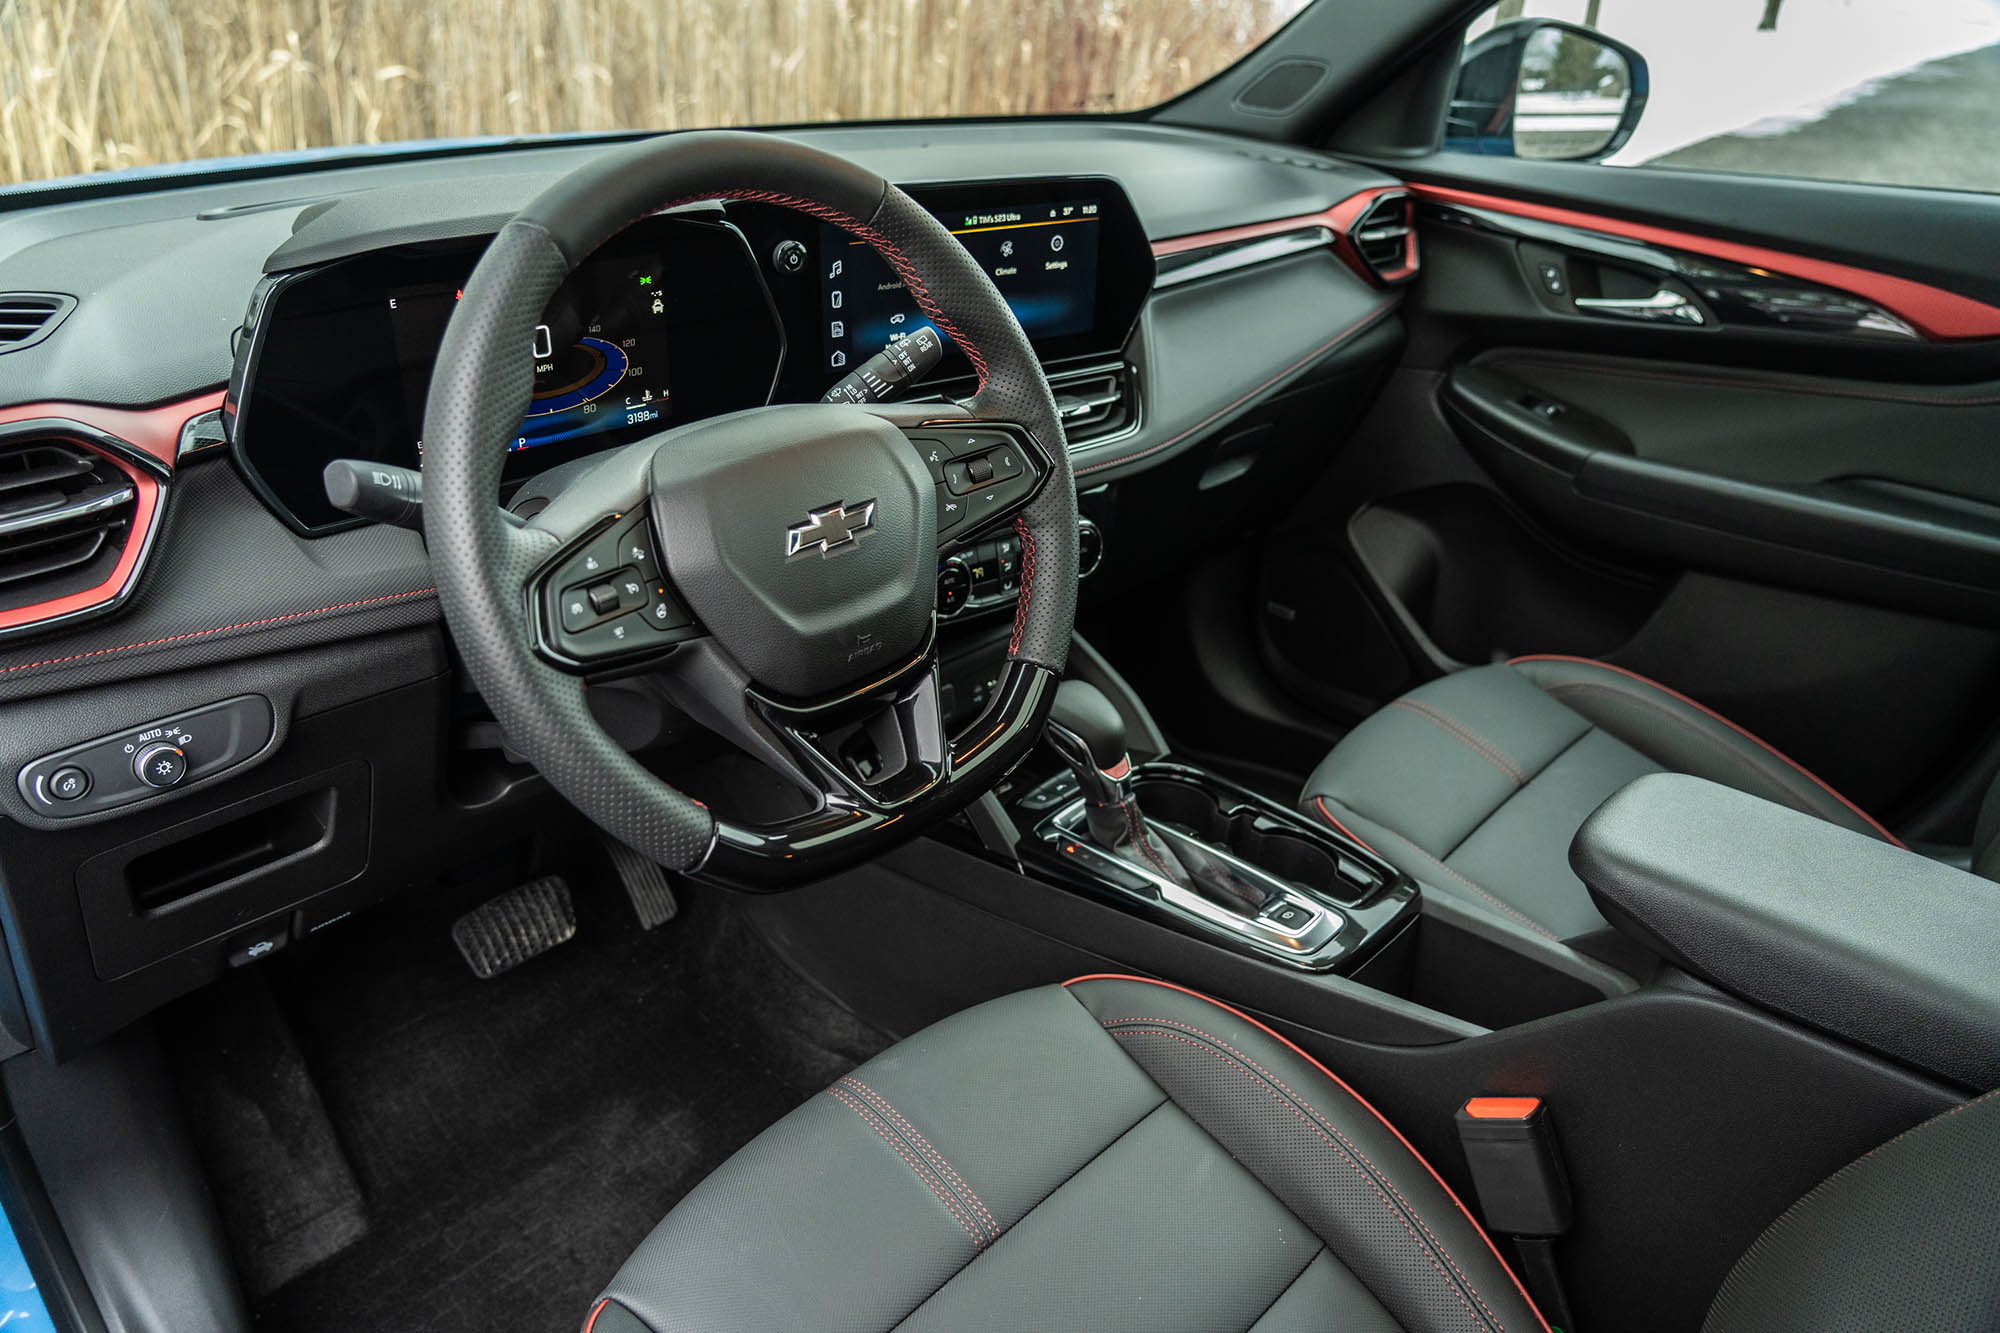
[1123,1154]
[1475,784]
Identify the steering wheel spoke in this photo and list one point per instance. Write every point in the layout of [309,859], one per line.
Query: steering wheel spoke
[604,601]
[986,472]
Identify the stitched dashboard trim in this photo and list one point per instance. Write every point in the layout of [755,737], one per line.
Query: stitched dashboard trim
[286,618]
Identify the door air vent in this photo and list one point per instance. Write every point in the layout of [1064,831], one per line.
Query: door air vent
[28,317]
[66,514]
[1093,403]
[1384,238]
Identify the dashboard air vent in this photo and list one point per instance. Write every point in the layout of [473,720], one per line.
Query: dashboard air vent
[1093,403]
[1385,238]
[66,514]
[28,317]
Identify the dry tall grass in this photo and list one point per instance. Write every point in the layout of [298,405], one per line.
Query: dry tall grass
[91,84]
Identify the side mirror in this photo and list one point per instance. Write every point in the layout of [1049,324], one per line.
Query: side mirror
[1539,88]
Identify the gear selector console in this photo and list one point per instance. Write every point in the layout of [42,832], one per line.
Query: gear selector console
[1206,855]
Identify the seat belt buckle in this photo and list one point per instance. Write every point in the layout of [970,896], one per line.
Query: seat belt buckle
[1517,1172]
[1523,1191]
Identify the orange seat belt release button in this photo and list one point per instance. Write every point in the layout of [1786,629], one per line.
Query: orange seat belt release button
[1517,1171]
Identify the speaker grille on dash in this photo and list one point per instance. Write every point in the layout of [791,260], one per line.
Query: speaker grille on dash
[1282,87]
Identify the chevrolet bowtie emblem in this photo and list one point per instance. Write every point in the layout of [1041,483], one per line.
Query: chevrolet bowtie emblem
[836,525]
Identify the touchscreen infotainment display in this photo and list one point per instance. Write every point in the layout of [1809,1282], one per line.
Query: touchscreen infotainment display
[600,356]
[1042,257]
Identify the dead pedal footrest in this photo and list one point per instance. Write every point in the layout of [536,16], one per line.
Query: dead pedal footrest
[646,884]
[506,931]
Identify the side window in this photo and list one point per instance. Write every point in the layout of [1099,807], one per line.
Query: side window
[1889,92]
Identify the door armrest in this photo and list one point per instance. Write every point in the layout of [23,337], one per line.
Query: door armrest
[1879,946]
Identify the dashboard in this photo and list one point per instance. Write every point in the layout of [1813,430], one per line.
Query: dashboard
[1206,334]
[683,316]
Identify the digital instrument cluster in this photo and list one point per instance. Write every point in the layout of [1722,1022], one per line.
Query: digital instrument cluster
[668,323]
[600,352]
[680,317]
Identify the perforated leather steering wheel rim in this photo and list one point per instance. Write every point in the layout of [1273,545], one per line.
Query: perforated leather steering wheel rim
[482,558]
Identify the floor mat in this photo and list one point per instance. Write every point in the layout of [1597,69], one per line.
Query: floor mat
[512,1140]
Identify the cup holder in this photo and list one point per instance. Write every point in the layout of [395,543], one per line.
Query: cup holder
[1254,836]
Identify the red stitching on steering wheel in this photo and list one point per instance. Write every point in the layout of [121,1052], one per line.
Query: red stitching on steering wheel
[888,249]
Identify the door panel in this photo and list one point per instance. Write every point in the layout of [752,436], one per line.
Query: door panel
[1760,460]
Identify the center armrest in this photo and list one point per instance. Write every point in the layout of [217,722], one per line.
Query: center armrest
[1858,938]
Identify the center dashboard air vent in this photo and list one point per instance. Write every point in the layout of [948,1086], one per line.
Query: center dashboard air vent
[1384,238]
[28,317]
[1093,403]
[67,516]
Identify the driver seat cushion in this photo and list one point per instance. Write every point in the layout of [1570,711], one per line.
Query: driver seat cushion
[1110,1154]
[1476,783]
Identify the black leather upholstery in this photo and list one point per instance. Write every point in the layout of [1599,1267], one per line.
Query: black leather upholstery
[1476,783]
[1905,1237]
[1114,1154]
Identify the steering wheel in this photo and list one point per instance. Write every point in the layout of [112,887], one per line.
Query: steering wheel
[776,567]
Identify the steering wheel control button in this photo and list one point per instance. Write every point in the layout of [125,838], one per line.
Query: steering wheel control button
[603,598]
[935,454]
[951,512]
[160,764]
[69,783]
[664,613]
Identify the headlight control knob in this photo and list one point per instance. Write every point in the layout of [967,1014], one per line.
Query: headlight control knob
[160,764]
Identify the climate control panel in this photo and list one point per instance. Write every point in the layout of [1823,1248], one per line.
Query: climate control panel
[142,761]
[987,574]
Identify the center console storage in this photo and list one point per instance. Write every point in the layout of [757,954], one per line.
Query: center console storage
[1845,933]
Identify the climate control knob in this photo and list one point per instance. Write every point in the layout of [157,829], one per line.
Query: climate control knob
[954,586]
[160,764]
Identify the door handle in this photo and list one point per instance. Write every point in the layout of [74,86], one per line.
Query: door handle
[1665,306]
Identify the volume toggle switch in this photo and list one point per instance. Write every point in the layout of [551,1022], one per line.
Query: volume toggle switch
[160,765]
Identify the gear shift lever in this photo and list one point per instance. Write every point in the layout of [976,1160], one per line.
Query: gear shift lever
[1086,730]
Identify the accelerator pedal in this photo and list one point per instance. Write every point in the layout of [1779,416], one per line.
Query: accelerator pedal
[520,924]
[646,884]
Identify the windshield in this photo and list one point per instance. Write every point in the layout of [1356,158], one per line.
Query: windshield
[95,85]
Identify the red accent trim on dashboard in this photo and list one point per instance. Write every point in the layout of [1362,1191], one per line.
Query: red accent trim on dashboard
[1337,219]
[154,433]
[1931,310]
[145,511]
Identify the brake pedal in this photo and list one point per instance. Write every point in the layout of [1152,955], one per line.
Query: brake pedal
[522,923]
[646,885]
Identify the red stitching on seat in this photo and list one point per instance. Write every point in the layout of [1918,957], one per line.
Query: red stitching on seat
[595,1311]
[220,629]
[888,249]
[1327,815]
[1742,731]
[923,1146]
[1456,874]
[1336,1131]
[1373,1183]
[1459,731]
[1343,1085]
[922,1172]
